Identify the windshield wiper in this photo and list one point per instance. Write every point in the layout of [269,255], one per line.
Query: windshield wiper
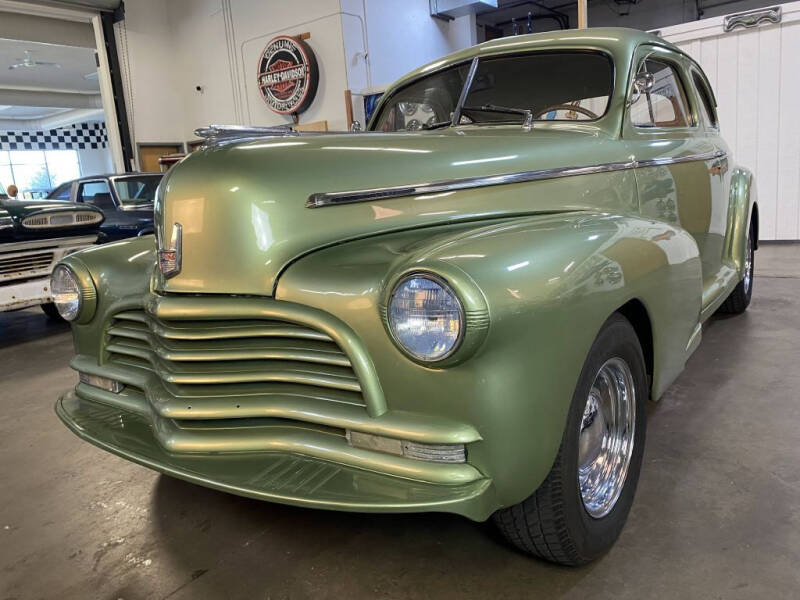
[526,112]
[436,125]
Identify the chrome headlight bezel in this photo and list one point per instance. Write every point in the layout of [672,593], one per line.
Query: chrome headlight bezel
[472,305]
[87,293]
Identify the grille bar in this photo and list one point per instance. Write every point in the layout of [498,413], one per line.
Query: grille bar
[233,349]
[238,357]
[29,262]
[235,371]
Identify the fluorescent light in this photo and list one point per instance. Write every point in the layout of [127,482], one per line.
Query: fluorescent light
[377,148]
[518,265]
[483,160]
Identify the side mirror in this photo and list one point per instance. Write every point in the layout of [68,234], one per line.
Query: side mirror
[642,83]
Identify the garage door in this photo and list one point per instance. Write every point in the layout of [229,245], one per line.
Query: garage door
[754,71]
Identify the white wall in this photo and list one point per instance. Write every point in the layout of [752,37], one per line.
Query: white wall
[402,38]
[754,75]
[255,23]
[652,14]
[145,41]
[174,47]
[655,15]
[95,161]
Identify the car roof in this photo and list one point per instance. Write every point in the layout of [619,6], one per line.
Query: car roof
[112,175]
[618,41]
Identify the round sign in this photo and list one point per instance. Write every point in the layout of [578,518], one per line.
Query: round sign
[287,75]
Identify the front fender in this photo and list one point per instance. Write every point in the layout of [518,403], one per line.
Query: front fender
[549,282]
[121,272]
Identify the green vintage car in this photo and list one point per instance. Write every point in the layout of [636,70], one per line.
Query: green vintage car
[463,309]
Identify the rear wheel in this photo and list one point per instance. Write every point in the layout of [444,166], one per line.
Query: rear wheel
[740,297]
[51,311]
[580,509]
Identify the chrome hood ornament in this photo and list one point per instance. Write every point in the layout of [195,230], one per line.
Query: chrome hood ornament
[169,258]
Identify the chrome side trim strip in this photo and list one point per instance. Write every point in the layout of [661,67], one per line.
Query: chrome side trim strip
[657,162]
[321,199]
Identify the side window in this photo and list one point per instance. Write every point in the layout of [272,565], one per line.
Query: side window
[706,103]
[664,104]
[61,192]
[97,193]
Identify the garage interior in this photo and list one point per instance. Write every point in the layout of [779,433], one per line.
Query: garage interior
[717,510]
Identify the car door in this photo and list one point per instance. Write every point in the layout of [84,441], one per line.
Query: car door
[98,193]
[62,192]
[681,163]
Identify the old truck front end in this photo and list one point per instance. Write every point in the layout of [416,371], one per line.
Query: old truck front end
[34,236]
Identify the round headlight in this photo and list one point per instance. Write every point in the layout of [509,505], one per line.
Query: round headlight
[425,317]
[66,292]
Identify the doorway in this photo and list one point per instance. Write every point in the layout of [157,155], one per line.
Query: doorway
[150,153]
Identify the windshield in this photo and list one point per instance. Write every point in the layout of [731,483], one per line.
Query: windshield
[553,86]
[423,103]
[136,190]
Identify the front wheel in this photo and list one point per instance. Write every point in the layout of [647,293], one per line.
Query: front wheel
[580,509]
[52,312]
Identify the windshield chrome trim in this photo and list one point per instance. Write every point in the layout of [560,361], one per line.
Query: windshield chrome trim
[148,206]
[473,67]
[319,200]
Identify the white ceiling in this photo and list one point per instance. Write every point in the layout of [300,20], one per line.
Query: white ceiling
[75,63]
[38,101]
[29,112]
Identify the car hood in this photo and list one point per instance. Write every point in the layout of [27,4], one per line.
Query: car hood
[14,212]
[242,206]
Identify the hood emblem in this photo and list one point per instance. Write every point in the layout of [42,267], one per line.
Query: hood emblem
[169,258]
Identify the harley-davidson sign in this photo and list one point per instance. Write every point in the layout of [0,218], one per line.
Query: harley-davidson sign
[287,75]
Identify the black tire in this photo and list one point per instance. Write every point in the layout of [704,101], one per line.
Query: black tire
[553,522]
[51,311]
[740,297]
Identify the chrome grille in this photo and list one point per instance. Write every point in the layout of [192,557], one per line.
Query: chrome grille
[61,218]
[22,263]
[236,357]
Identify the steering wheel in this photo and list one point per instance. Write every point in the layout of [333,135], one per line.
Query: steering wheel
[580,109]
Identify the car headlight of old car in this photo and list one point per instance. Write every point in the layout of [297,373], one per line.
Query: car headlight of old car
[425,317]
[74,293]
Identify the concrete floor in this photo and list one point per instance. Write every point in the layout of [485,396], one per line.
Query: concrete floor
[717,514]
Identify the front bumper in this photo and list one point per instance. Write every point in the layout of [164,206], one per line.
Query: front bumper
[23,295]
[288,474]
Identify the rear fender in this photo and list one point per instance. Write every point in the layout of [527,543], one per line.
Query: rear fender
[741,209]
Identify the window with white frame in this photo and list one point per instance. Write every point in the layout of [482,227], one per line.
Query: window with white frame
[38,170]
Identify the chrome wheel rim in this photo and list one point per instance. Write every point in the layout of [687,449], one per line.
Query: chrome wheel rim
[605,441]
[748,266]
